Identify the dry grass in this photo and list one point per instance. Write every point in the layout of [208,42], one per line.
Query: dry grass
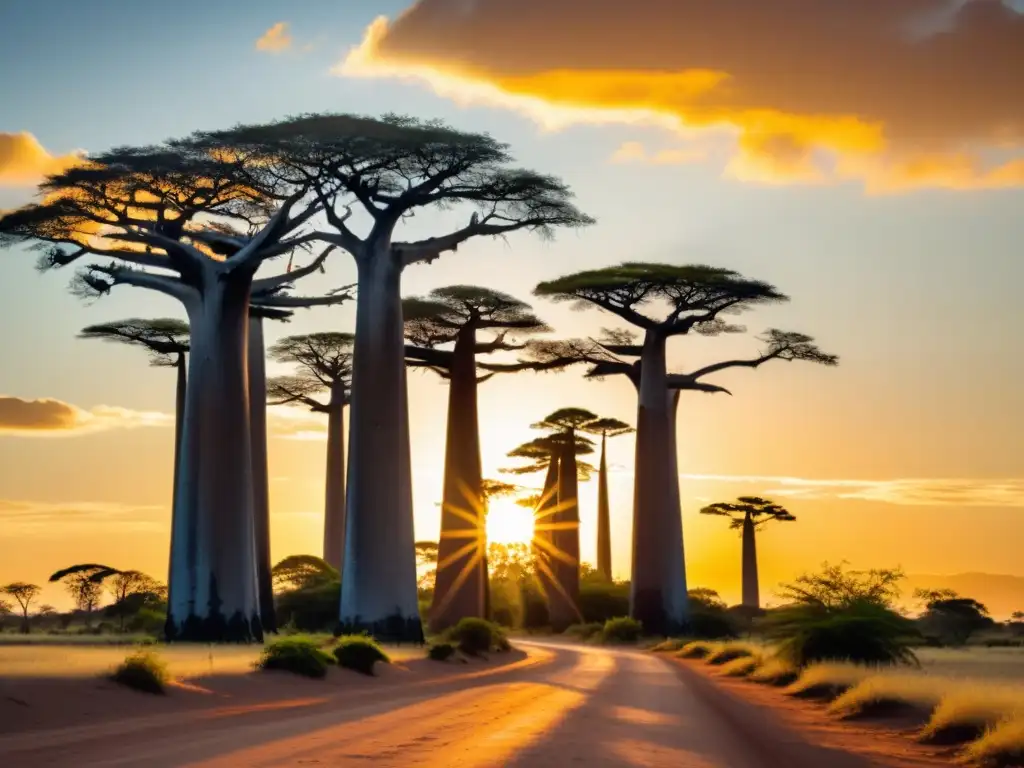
[699,649]
[884,693]
[672,644]
[726,652]
[1000,747]
[774,671]
[827,681]
[968,710]
[740,667]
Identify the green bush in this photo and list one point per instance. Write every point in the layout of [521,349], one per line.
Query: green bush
[359,653]
[475,636]
[310,609]
[584,631]
[861,632]
[142,671]
[441,651]
[297,655]
[600,601]
[621,630]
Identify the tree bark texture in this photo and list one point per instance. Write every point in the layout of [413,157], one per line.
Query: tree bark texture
[604,525]
[751,592]
[334,496]
[564,605]
[178,514]
[260,476]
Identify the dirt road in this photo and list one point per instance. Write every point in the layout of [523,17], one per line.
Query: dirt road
[571,705]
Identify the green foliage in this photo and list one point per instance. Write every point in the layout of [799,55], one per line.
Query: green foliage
[709,618]
[303,572]
[835,587]
[297,655]
[142,671]
[359,653]
[441,651]
[953,619]
[475,636]
[584,631]
[600,600]
[312,608]
[621,630]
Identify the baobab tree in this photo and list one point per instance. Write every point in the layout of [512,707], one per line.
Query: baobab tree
[748,513]
[390,169]
[605,428]
[195,225]
[694,299]
[442,330]
[23,594]
[323,364]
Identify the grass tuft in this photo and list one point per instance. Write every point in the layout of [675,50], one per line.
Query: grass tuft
[966,712]
[888,693]
[475,636]
[740,667]
[699,649]
[359,653]
[622,629]
[1000,747]
[441,651]
[669,645]
[827,681]
[298,655]
[775,671]
[584,631]
[142,671]
[726,652]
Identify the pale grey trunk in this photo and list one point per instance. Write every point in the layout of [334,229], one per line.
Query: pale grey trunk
[178,511]
[564,605]
[604,525]
[378,584]
[257,364]
[677,598]
[751,593]
[658,586]
[334,498]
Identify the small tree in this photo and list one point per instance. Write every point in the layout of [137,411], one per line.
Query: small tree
[324,363]
[130,590]
[748,513]
[23,593]
[950,617]
[85,585]
[605,428]
[302,572]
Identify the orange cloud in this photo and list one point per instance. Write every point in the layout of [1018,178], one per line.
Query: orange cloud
[276,39]
[897,95]
[48,417]
[24,161]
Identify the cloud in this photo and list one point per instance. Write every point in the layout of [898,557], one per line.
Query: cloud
[932,492]
[24,161]
[635,152]
[897,95]
[49,417]
[296,423]
[276,39]
[26,518]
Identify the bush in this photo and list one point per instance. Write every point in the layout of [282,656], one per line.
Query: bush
[142,671]
[600,601]
[359,653]
[441,651]
[297,655]
[475,636]
[310,609]
[710,623]
[584,631]
[621,630]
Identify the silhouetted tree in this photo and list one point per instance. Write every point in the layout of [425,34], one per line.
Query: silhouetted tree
[23,594]
[324,363]
[302,572]
[951,617]
[390,169]
[695,298]
[442,331]
[84,582]
[126,587]
[748,513]
[604,428]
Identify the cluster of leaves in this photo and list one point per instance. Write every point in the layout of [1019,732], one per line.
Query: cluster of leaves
[359,653]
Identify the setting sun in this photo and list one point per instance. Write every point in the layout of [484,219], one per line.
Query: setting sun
[508,523]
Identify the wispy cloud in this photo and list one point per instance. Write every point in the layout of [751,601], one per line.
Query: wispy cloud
[296,423]
[635,152]
[46,417]
[27,518]
[24,161]
[277,39]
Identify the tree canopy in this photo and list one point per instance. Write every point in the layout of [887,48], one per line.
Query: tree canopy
[323,361]
[759,511]
[165,338]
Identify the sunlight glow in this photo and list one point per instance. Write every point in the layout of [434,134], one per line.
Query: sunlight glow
[508,523]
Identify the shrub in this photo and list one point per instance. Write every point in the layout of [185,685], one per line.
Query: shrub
[774,671]
[1000,746]
[727,652]
[862,632]
[600,601]
[441,651]
[584,631]
[474,636]
[310,609]
[621,630]
[297,655]
[142,671]
[697,650]
[711,624]
[359,653]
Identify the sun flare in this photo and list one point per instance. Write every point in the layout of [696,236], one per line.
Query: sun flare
[508,523]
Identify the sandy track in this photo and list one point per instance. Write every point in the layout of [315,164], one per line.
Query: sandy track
[564,705]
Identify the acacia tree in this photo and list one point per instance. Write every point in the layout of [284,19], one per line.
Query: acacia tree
[604,428]
[748,513]
[84,582]
[126,587]
[23,594]
[323,363]
[452,317]
[391,168]
[693,299]
[168,217]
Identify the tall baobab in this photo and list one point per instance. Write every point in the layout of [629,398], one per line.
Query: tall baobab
[165,218]
[390,169]
[323,364]
[605,428]
[442,330]
[167,340]
[696,296]
[748,513]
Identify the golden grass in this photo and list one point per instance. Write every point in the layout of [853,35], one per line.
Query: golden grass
[827,680]
[726,652]
[740,667]
[672,644]
[967,710]
[1000,747]
[774,671]
[699,649]
[885,692]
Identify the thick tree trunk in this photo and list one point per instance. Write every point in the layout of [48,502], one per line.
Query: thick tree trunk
[604,523]
[658,590]
[176,507]
[378,583]
[751,593]
[260,479]
[334,498]
[564,607]
[460,588]
[677,596]
[544,534]
[224,604]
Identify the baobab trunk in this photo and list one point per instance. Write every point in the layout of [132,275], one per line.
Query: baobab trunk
[378,583]
[178,512]
[751,593]
[564,606]
[460,588]
[334,498]
[226,605]
[544,534]
[260,481]
[604,524]
[658,589]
